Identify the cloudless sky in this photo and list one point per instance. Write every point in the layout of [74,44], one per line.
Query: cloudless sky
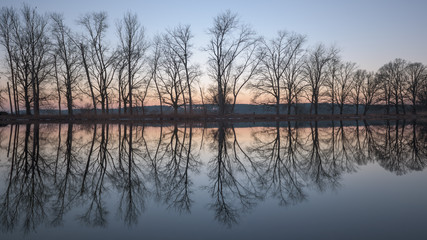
[368,32]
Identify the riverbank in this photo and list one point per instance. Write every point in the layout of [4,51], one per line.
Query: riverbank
[154,118]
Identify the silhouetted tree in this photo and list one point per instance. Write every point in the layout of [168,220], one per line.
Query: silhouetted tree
[86,65]
[154,67]
[100,61]
[8,18]
[67,60]
[344,84]
[279,67]
[331,81]
[132,50]
[228,48]
[37,44]
[315,72]
[417,76]
[170,77]
[394,79]
[356,93]
[179,41]
[25,36]
[370,90]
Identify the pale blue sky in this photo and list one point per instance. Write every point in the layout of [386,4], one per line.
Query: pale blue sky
[369,33]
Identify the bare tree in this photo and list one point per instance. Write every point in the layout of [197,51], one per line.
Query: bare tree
[179,41]
[86,65]
[422,95]
[279,67]
[58,84]
[21,61]
[229,42]
[294,84]
[358,81]
[393,77]
[417,75]
[99,60]
[25,37]
[244,72]
[7,18]
[169,78]
[67,62]
[385,89]
[315,72]
[143,90]
[35,32]
[370,90]
[154,67]
[344,83]
[132,48]
[331,81]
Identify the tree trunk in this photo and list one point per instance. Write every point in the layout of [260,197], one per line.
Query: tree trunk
[130,85]
[10,99]
[57,84]
[120,99]
[36,106]
[278,97]
[189,87]
[88,77]
[414,110]
[27,100]
[15,96]
[69,100]
[315,104]
[14,88]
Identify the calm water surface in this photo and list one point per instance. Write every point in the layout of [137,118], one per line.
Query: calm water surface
[333,180]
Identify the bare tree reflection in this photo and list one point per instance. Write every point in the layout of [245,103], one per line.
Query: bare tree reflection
[27,192]
[92,169]
[8,212]
[177,185]
[233,185]
[320,168]
[359,153]
[417,158]
[282,174]
[66,178]
[155,154]
[95,213]
[127,178]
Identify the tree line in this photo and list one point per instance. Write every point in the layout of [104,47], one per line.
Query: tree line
[50,65]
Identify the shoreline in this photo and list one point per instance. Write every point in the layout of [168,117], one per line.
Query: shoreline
[208,118]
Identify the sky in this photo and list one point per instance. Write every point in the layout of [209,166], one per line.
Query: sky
[368,32]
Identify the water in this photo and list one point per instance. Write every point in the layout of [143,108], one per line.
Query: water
[327,180]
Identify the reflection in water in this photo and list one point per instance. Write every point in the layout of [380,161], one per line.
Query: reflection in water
[233,175]
[93,171]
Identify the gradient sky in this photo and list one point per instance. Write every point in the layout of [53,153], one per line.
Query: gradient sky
[368,32]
